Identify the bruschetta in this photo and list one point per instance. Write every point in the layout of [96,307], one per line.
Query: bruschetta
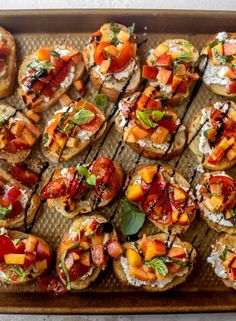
[164,195]
[17,135]
[7,63]
[71,130]
[212,135]
[110,58]
[84,251]
[217,201]
[223,259]
[171,68]
[23,257]
[220,74]
[155,263]
[83,189]
[17,203]
[46,74]
[148,127]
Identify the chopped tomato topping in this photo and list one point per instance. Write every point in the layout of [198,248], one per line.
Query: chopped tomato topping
[24,175]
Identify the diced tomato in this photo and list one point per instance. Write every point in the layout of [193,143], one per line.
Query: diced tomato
[229,48]
[164,60]
[17,209]
[183,87]
[43,252]
[216,155]
[24,175]
[160,247]
[20,248]
[93,225]
[229,128]
[56,188]
[74,186]
[47,91]
[165,76]
[229,184]
[5,51]
[114,249]
[168,124]
[16,145]
[119,62]
[77,270]
[38,86]
[60,75]
[6,246]
[30,258]
[231,87]
[98,254]
[94,124]
[99,54]
[51,283]
[7,134]
[149,72]
[232,274]
[12,195]
[216,116]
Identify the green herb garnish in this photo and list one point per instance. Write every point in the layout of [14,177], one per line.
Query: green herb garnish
[83,116]
[132,218]
[4,211]
[214,43]
[91,179]
[143,118]
[55,54]
[19,271]
[223,254]
[131,29]
[41,65]
[45,139]
[226,60]
[115,30]
[82,170]
[185,56]
[101,101]
[158,266]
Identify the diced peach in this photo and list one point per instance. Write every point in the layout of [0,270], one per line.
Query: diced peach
[97,239]
[54,147]
[33,116]
[111,50]
[105,66]
[43,251]
[41,265]
[28,137]
[229,49]
[219,49]
[226,143]
[230,73]
[151,251]
[175,216]
[150,92]
[216,189]
[179,194]
[174,54]
[105,37]
[65,245]
[18,128]
[72,142]
[217,201]
[34,130]
[114,249]
[160,247]
[165,76]
[233,264]
[177,252]
[135,192]
[65,99]
[30,243]
[84,245]
[207,203]
[3,141]
[176,81]
[230,257]
[173,268]
[123,36]
[184,219]
[43,54]
[143,243]
[232,115]
[61,140]
[76,256]
[180,70]
[79,84]
[133,257]
[138,273]
[138,132]
[129,137]
[159,276]
[159,135]
[85,258]
[147,173]
[161,49]
[231,154]
[14,259]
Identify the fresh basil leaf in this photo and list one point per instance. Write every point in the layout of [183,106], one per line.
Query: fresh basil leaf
[185,56]
[153,62]
[115,30]
[55,54]
[45,139]
[114,27]
[132,218]
[91,179]
[144,119]
[214,43]
[187,44]
[41,65]
[223,254]
[101,101]
[19,271]
[83,116]
[226,60]
[68,128]
[131,29]
[4,211]
[82,170]
[158,266]
[157,115]
[180,263]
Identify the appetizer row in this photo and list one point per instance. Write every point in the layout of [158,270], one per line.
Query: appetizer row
[156,263]
[161,193]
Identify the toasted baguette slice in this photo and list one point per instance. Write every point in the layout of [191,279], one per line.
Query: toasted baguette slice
[8,71]
[196,130]
[172,145]
[30,203]
[87,204]
[113,85]
[139,174]
[77,138]
[177,90]
[220,266]
[40,103]
[10,113]
[78,225]
[214,217]
[42,252]
[158,287]
[217,75]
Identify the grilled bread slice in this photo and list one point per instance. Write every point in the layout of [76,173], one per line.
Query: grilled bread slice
[164,195]
[7,63]
[95,238]
[81,190]
[25,257]
[110,58]
[17,134]
[46,74]
[71,130]
[130,268]
[222,259]
[211,136]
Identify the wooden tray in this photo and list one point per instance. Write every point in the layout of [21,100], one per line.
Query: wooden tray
[203,291]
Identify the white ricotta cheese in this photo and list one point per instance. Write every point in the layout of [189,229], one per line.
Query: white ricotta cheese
[64,172]
[69,79]
[24,198]
[148,143]
[216,217]
[215,74]
[222,36]
[221,106]
[84,135]
[215,261]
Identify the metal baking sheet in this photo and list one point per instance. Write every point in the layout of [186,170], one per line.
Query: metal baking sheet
[202,291]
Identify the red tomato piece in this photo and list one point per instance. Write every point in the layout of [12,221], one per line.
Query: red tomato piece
[16,145]
[12,195]
[123,58]
[98,254]
[56,188]
[149,72]
[24,175]
[114,249]
[51,283]
[216,116]
[164,60]
[93,225]
[183,87]
[231,87]
[216,155]
[99,54]
[6,246]
[229,184]
[229,48]
[30,258]
[74,186]
[17,209]
[168,124]
[77,270]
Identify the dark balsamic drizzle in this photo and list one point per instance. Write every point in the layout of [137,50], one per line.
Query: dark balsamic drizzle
[142,42]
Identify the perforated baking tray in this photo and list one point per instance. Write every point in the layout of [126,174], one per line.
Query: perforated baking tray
[202,291]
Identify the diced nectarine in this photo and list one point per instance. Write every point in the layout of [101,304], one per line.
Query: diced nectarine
[161,49]
[159,135]
[147,173]
[151,251]
[217,201]
[14,258]
[160,248]
[175,252]
[138,132]
[184,219]
[85,258]
[179,194]
[138,273]
[30,243]
[133,257]
[41,265]
[135,192]
[231,154]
